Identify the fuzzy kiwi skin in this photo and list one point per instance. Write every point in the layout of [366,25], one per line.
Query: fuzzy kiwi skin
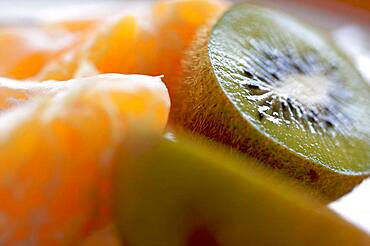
[200,106]
[174,190]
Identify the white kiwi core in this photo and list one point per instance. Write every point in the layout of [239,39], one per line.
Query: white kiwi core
[309,90]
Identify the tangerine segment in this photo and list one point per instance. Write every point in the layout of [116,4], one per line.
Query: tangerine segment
[71,64]
[56,155]
[126,46]
[121,46]
[156,44]
[153,43]
[13,92]
[24,51]
[177,23]
[78,25]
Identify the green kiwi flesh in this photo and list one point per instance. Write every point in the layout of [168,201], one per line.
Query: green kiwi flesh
[279,90]
[190,192]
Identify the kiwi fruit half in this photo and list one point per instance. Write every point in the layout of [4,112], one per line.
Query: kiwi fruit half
[191,193]
[279,90]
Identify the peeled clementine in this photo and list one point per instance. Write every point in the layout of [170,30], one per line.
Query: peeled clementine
[24,51]
[14,93]
[177,23]
[56,154]
[151,42]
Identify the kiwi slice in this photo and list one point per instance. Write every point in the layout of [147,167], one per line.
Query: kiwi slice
[191,193]
[279,90]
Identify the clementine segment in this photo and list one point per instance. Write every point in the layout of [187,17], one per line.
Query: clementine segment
[153,43]
[56,155]
[13,92]
[125,47]
[177,22]
[24,51]
[78,25]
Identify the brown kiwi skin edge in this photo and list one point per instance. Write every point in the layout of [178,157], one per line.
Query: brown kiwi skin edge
[201,107]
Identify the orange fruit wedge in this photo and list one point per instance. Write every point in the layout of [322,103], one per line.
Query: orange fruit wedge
[76,26]
[56,154]
[24,51]
[150,42]
[14,93]
[177,23]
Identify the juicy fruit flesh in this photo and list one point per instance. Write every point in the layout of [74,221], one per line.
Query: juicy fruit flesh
[151,41]
[255,53]
[56,155]
[24,51]
[184,193]
[14,93]
[158,39]
[177,23]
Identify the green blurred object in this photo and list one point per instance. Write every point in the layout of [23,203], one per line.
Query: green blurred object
[191,192]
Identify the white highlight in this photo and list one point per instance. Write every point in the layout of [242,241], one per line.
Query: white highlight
[309,90]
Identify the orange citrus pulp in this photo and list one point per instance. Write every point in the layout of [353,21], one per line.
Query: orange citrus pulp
[56,154]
